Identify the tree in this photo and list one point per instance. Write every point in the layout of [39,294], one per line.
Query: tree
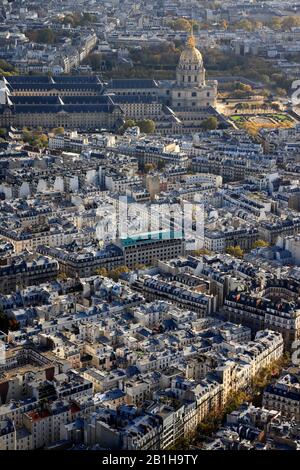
[245,24]
[6,66]
[242,86]
[42,141]
[58,130]
[149,167]
[147,126]
[180,444]
[116,273]
[260,244]
[62,276]
[290,22]
[102,272]
[42,36]
[139,266]
[94,60]
[181,24]
[281,91]
[3,132]
[275,23]
[129,123]
[200,252]
[68,20]
[235,400]
[210,124]
[235,251]
[251,128]
[35,138]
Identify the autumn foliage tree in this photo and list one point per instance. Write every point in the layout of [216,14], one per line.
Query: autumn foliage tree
[260,244]
[116,273]
[35,138]
[235,251]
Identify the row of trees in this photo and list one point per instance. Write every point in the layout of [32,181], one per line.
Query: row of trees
[147,126]
[237,251]
[42,36]
[182,24]
[215,419]
[256,106]
[276,23]
[161,61]
[116,273]
[6,68]
[266,375]
[166,54]
[254,68]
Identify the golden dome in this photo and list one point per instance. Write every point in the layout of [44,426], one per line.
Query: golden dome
[190,55]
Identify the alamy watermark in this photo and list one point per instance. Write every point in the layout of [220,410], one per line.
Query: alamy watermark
[295,98]
[2,353]
[295,357]
[126,219]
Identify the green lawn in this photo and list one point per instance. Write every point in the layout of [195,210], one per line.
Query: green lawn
[237,118]
[280,117]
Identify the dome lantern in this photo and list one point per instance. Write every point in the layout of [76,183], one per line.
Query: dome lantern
[190,69]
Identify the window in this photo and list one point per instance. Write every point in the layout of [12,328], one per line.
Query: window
[194,93]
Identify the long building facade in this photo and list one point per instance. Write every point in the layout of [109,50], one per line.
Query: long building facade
[86,103]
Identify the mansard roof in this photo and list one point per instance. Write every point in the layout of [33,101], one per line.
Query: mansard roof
[133,83]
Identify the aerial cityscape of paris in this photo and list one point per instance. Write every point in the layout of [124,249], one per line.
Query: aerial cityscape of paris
[149,228]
